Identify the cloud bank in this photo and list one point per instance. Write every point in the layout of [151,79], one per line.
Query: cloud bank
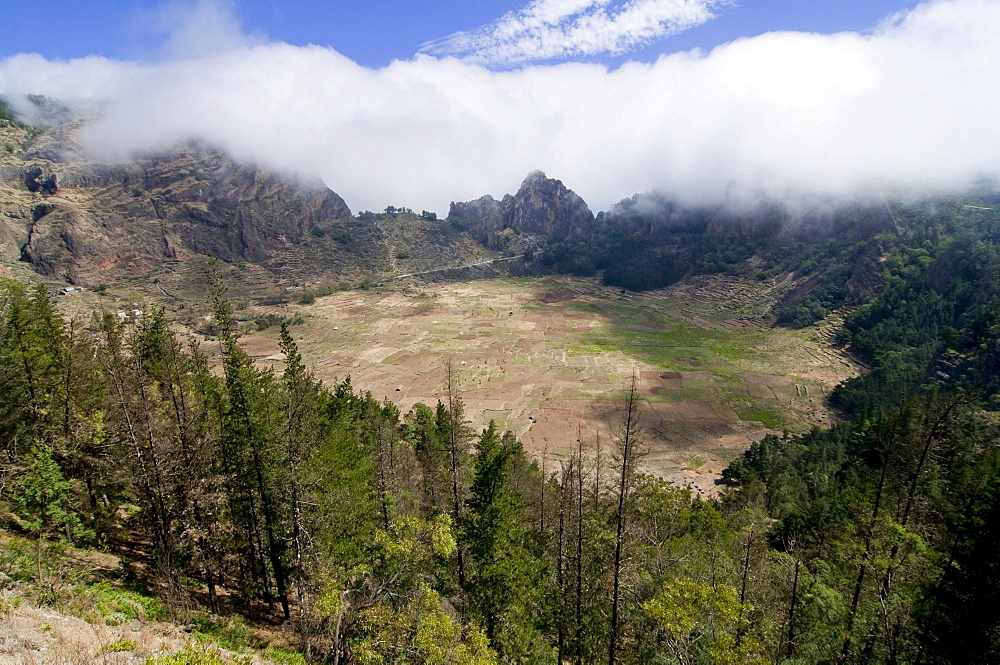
[913,104]
[550,29]
[186,29]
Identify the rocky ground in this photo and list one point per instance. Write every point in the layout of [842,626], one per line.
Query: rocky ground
[73,608]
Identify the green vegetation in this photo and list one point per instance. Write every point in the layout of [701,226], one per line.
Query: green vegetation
[197,655]
[645,244]
[118,605]
[270,320]
[672,343]
[7,117]
[885,515]
[385,537]
[648,243]
[342,236]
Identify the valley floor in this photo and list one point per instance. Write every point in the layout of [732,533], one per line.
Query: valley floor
[544,358]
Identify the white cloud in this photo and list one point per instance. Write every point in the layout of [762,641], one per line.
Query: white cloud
[785,114]
[187,29]
[551,29]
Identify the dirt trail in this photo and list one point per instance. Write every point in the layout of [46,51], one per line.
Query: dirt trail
[458,267]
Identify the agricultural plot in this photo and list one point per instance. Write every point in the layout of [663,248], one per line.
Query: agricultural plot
[548,359]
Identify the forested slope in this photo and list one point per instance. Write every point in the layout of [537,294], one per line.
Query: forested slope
[380,536]
[387,537]
[891,514]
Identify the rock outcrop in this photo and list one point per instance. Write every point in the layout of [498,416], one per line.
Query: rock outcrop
[82,221]
[542,207]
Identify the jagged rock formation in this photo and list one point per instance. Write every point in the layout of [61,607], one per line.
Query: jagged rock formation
[158,217]
[542,207]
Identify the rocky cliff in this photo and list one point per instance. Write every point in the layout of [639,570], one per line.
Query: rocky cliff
[542,206]
[83,221]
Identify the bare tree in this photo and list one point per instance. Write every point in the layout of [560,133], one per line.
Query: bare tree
[628,439]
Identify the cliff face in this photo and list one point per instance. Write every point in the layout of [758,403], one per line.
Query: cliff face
[85,222]
[542,207]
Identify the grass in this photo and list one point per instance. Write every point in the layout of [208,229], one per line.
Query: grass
[233,634]
[280,656]
[64,583]
[9,604]
[694,462]
[58,580]
[200,654]
[751,410]
[765,416]
[680,347]
[117,605]
[123,644]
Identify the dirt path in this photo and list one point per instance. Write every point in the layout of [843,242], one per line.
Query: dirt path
[458,267]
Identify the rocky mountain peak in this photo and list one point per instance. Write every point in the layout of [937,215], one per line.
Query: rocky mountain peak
[542,206]
[536,176]
[545,206]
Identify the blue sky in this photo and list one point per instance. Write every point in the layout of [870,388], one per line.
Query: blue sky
[421,103]
[375,32]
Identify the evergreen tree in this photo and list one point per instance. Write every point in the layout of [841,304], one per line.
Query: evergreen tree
[254,460]
[506,569]
[629,451]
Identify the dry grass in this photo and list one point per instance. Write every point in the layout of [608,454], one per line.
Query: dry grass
[715,376]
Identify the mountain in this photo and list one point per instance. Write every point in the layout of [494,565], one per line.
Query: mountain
[83,221]
[70,218]
[380,536]
[157,218]
[542,207]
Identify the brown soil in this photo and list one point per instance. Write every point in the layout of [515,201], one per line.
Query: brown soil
[523,361]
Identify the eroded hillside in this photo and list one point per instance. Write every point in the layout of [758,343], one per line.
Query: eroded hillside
[70,219]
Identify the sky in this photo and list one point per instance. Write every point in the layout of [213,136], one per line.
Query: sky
[373,33]
[420,103]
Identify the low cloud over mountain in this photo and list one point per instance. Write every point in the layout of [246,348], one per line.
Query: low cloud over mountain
[913,104]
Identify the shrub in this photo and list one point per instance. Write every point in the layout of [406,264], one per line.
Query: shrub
[196,655]
[269,320]
[124,644]
[342,236]
[9,604]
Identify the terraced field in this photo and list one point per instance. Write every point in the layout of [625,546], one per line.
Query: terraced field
[548,358]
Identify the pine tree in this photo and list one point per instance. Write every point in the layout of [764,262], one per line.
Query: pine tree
[506,570]
[455,433]
[135,422]
[33,352]
[254,461]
